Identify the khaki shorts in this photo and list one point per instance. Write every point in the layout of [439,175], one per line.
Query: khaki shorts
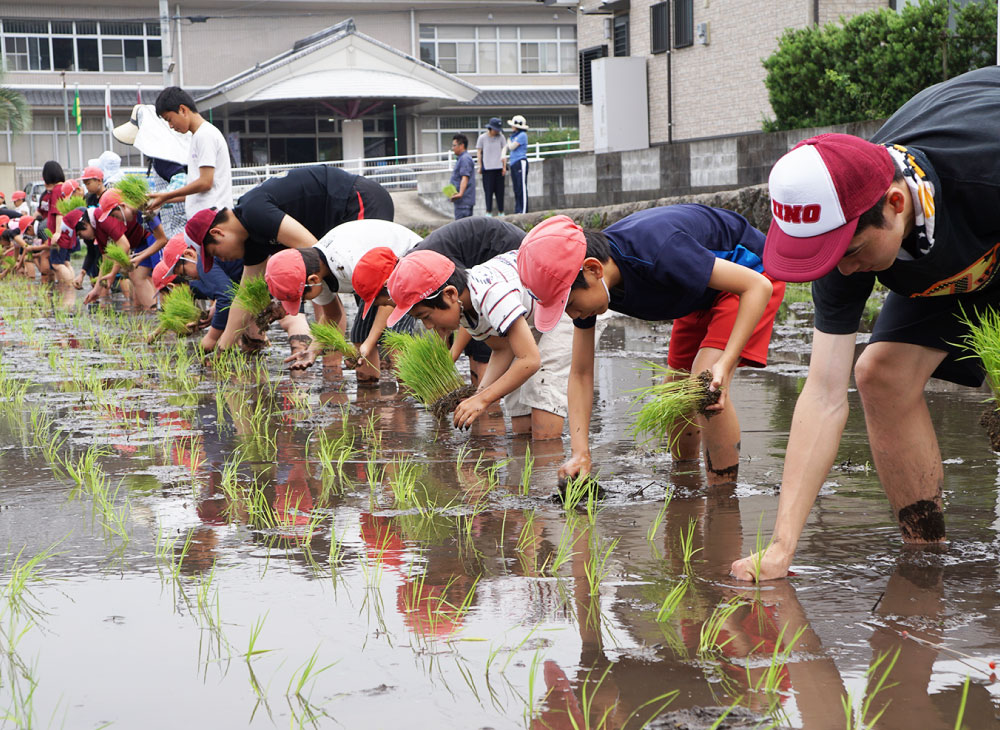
[547,389]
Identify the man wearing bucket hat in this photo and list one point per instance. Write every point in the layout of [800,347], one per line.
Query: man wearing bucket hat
[492,164]
[517,148]
[918,209]
[321,272]
[692,264]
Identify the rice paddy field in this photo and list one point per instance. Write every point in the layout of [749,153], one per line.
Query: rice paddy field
[230,545]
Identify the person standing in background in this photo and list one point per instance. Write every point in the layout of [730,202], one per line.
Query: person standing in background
[462,177]
[518,148]
[492,165]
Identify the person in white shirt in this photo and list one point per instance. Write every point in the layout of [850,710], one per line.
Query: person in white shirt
[209,170]
[320,272]
[528,368]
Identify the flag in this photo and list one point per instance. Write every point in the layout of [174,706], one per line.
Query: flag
[76,111]
[107,107]
[138,94]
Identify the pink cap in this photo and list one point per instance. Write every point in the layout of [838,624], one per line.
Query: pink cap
[415,278]
[4,220]
[74,217]
[371,273]
[162,275]
[548,262]
[173,251]
[818,191]
[68,187]
[285,275]
[92,173]
[195,231]
[24,222]
[18,195]
[110,200]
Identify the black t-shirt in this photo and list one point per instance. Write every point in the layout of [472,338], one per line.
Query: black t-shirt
[12,214]
[951,131]
[315,196]
[473,241]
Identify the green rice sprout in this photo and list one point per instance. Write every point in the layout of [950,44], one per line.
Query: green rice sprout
[179,310]
[983,339]
[46,233]
[252,295]
[134,190]
[9,262]
[117,255]
[424,366]
[73,202]
[449,190]
[667,403]
[329,336]
[394,341]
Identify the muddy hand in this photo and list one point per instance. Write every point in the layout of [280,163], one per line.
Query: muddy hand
[769,565]
[576,465]
[468,411]
[721,375]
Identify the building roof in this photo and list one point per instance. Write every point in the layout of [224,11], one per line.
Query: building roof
[52,96]
[525,97]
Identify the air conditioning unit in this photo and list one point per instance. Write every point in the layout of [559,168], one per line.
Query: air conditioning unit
[701,32]
[620,104]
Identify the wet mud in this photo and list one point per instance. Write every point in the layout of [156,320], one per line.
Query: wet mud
[448,403]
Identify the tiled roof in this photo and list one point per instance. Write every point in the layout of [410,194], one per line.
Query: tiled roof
[52,96]
[525,97]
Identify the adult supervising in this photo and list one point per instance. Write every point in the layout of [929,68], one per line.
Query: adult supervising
[918,209]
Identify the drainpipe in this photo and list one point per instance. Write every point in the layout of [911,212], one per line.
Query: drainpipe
[166,43]
[413,33]
[670,78]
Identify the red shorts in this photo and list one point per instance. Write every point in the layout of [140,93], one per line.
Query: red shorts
[712,327]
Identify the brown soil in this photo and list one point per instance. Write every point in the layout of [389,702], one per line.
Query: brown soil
[709,397]
[272,313]
[446,404]
[592,485]
[703,718]
[991,422]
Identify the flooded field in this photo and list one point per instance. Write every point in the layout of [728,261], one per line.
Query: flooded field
[235,546]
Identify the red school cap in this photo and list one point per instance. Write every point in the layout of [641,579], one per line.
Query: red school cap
[371,274]
[195,231]
[415,278]
[110,200]
[285,275]
[18,195]
[161,275]
[92,173]
[24,222]
[548,262]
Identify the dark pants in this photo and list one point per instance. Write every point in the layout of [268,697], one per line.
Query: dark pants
[519,181]
[369,200]
[462,211]
[493,187]
[91,263]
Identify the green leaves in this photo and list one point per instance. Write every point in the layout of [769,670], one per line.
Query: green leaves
[331,338]
[134,190]
[65,205]
[179,310]
[424,365]
[252,295]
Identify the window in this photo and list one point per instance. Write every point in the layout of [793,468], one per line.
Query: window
[659,27]
[586,56]
[81,45]
[683,23]
[505,49]
[620,35]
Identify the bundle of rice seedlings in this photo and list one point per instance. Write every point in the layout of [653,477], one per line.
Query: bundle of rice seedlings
[667,403]
[134,190]
[424,366]
[393,341]
[65,205]
[329,336]
[449,190]
[983,340]
[104,269]
[118,255]
[46,233]
[253,296]
[179,310]
[9,262]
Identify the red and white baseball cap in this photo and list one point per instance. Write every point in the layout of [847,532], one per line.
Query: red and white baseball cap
[18,195]
[818,191]
[371,273]
[161,275]
[72,218]
[110,199]
[24,222]
[415,278]
[548,261]
[195,231]
[92,173]
[285,275]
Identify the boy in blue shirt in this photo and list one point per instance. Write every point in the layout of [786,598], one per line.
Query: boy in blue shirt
[462,177]
[518,148]
[698,266]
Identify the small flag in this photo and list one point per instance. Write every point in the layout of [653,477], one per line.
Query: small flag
[76,111]
[107,107]
[138,94]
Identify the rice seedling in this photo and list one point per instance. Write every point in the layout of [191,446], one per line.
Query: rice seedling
[708,640]
[661,515]
[117,255]
[564,549]
[961,707]
[673,600]
[134,190]
[252,650]
[252,295]
[529,462]
[769,681]
[425,368]
[65,205]
[403,482]
[676,399]
[21,575]
[596,568]
[687,543]
[859,719]
[179,311]
[983,342]
[332,339]
[394,342]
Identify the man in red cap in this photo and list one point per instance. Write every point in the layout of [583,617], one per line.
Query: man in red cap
[293,211]
[692,264]
[320,272]
[491,303]
[918,209]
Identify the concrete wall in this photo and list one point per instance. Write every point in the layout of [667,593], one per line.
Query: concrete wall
[586,180]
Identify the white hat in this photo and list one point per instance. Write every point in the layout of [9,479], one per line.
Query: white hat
[518,122]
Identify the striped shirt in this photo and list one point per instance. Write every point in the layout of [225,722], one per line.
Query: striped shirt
[498,297]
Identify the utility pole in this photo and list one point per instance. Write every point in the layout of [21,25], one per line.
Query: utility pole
[167,44]
[69,160]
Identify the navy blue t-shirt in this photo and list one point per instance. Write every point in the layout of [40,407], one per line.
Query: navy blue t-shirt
[218,284]
[666,255]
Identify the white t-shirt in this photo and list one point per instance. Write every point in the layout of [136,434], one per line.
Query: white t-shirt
[344,246]
[498,297]
[209,149]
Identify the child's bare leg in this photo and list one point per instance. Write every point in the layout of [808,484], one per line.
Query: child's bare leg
[144,294]
[721,432]
[685,436]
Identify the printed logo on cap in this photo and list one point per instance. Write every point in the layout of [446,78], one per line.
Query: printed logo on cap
[804,199]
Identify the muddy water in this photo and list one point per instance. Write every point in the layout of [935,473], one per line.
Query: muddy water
[244,583]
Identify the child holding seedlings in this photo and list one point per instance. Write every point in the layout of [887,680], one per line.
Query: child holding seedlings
[531,348]
[142,238]
[322,271]
[696,265]
[918,209]
[293,211]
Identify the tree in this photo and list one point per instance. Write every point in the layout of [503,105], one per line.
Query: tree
[14,109]
[866,67]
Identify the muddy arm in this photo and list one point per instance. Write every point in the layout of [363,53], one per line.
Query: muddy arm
[817,425]
[581,402]
[238,316]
